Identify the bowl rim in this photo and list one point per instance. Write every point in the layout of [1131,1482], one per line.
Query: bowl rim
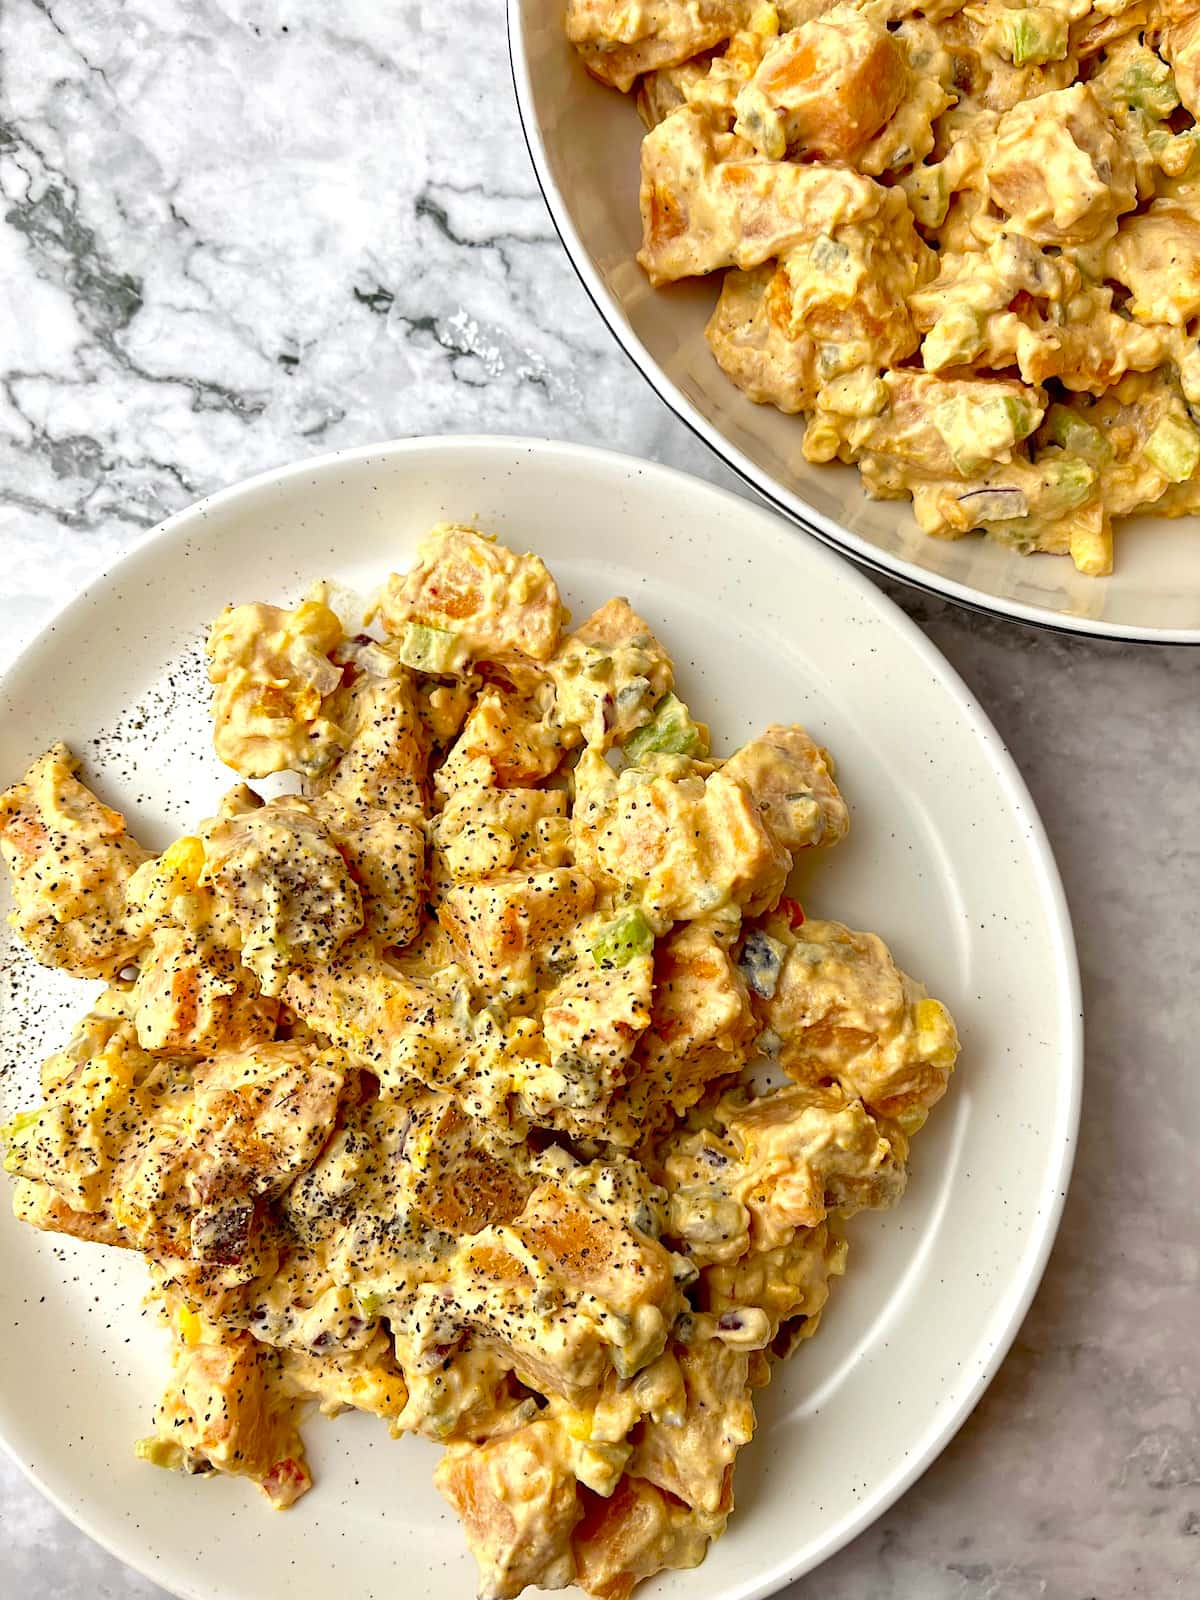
[181,524]
[770,489]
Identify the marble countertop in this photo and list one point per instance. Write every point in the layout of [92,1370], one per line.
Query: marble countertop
[239,231]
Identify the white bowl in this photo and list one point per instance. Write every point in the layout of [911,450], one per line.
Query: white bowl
[946,858]
[585,142]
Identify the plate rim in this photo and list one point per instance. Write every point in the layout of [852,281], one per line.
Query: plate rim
[771,490]
[1069,1046]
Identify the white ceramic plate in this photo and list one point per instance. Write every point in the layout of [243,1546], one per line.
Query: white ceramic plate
[585,141]
[946,858]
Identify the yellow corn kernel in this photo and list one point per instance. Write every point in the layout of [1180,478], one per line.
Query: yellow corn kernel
[911,1120]
[307,705]
[183,860]
[526,585]
[765,21]
[936,1034]
[931,1014]
[314,622]
[191,1328]
[821,440]
[160,1453]
[1092,550]
[837,1258]
[578,1423]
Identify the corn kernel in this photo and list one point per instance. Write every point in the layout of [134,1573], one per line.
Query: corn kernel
[578,1423]
[938,1037]
[191,1329]
[931,1014]
[821,440]
[184,859]
[1092,550]
[912,1119]
[314,622]
[159,1453]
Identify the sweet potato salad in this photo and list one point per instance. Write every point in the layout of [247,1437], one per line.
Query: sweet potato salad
[481,1074]
[962,241]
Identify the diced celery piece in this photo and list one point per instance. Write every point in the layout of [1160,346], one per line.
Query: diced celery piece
[1186,151]
[1150,86]
[11,1132]
[670,731]
[1032,35]
[1019,414]
[828,254]
[160,1453]
[22,1120]
[429,649]
[1174,448]
[979,430]
[1078,438]
[1067,483]
[955,338]
[629,936]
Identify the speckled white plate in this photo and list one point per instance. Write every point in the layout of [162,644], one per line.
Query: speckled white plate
[946,858]
[585,142]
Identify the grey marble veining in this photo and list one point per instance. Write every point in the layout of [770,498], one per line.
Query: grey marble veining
[236,232]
